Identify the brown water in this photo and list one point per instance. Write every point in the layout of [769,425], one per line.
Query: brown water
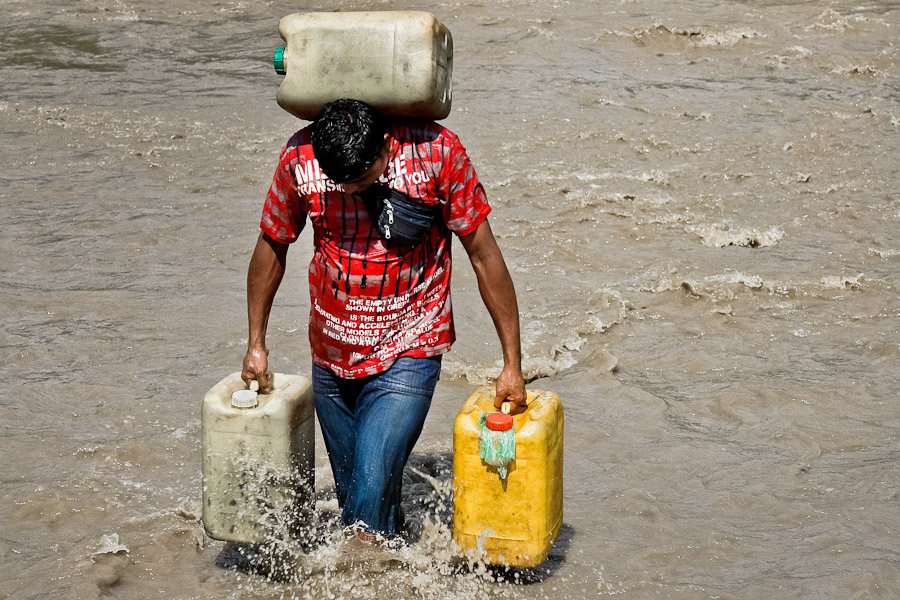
[698,202]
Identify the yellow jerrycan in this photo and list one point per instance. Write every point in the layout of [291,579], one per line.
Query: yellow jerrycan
[515,519]
[258,459]
[400,62]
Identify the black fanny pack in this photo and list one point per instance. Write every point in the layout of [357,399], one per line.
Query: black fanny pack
[399,218]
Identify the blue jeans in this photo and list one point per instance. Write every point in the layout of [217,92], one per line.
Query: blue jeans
[370,426]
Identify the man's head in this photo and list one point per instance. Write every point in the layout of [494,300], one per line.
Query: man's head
[349,142]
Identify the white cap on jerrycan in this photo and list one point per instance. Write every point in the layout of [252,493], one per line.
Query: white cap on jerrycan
[247,398]
[244,399]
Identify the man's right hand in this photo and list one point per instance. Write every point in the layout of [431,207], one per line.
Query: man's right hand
[256,367]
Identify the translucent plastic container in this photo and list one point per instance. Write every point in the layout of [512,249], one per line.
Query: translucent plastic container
[513,520]
[258,461]
[400,62]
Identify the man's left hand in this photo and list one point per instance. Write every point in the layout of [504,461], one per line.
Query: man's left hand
[510,387]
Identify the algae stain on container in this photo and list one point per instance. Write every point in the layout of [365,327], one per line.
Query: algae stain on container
[258,459]
[400,62]
[512,520]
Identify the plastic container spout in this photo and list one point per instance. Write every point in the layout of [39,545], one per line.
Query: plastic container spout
[279,61]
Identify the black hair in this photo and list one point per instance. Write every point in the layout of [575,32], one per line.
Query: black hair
[347,139]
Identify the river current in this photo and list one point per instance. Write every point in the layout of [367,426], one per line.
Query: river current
[699,206]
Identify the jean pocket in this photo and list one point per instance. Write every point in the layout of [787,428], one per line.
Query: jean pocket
[416,375]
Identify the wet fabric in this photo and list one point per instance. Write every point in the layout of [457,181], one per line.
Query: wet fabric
[370,426]
[372,301]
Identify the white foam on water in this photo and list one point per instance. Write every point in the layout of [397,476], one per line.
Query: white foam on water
[719,235]
[558,359]
[864,69]
[727,38]
[719,287]
[829,20]
[552,343]
[696,36]
[736,277]
[796,53]
[338,566]
[109,544]
[843,282]
[884,253]
[727,286]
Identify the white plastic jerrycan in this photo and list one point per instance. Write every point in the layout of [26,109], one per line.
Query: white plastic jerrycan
[258,459]
[400,62]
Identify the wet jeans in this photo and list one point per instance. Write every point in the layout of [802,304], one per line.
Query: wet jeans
[370,426]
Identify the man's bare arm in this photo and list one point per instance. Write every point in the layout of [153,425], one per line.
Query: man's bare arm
[264,275]
[499,296]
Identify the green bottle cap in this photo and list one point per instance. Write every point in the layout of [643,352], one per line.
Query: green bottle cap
[279,61]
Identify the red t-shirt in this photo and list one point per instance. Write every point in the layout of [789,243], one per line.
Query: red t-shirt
[371,303]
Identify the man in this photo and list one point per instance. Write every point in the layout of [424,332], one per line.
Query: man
[380,315]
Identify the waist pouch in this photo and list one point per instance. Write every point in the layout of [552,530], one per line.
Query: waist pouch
[399,218]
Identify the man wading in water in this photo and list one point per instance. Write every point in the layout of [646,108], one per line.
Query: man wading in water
[380,315]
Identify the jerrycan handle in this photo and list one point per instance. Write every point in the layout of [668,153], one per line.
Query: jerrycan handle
[254,384]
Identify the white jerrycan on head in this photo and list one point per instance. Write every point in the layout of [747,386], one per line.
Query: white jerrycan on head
[400,62]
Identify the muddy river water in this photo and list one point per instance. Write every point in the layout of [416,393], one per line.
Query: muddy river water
[699,205]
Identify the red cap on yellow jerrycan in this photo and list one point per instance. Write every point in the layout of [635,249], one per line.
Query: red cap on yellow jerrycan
[499,422]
